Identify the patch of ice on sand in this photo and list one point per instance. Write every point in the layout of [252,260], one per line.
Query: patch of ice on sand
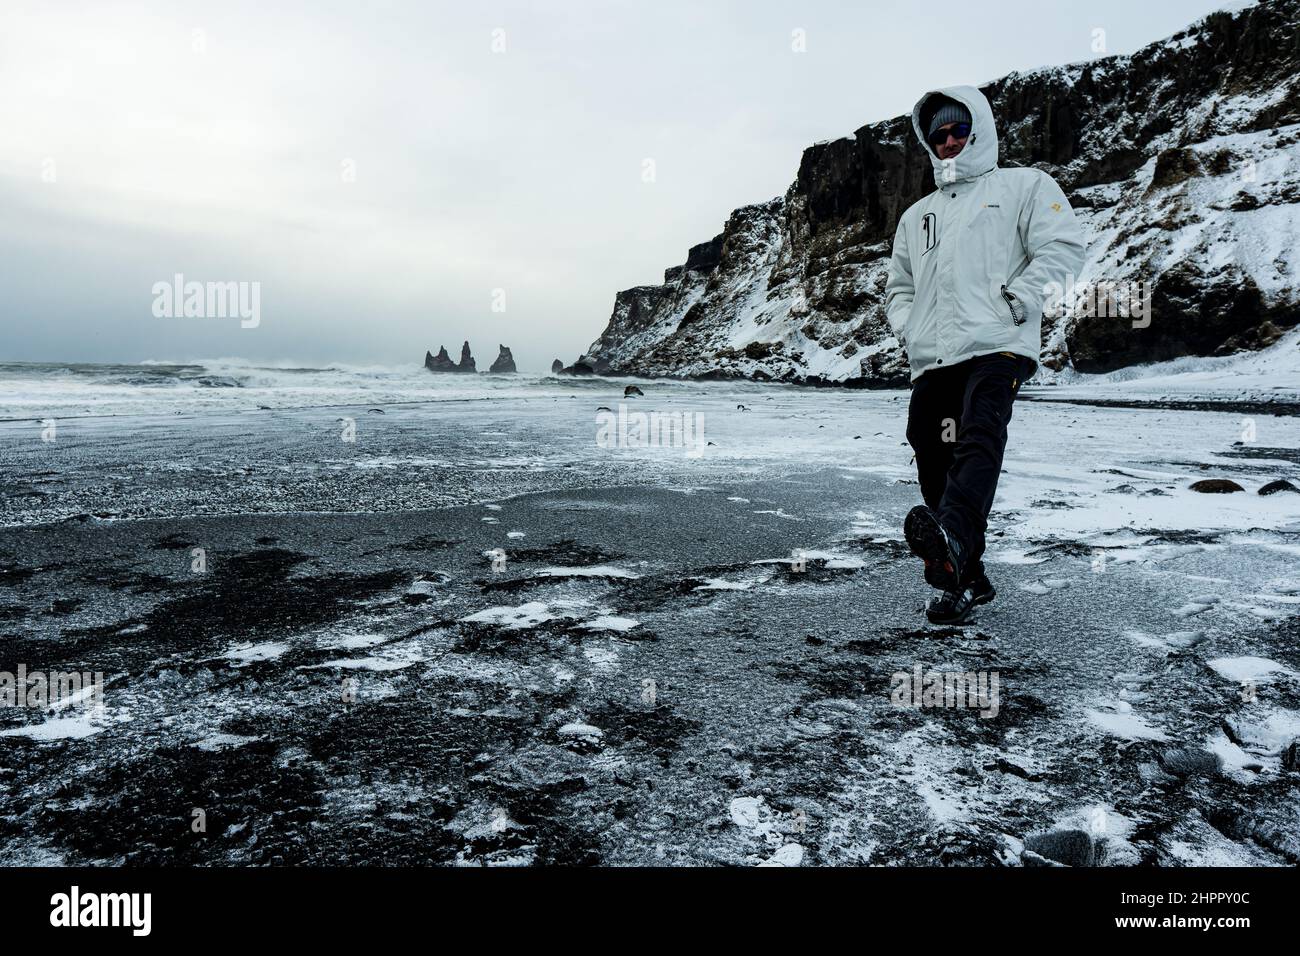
[1014,556]
[1235,760]
[223,742]
[60,728]
[942,808]
[349,642]
[74,700]
[392,658]
[749,812]
[515,534]
[1283,597]
[722,584]
[1257,670]
[499,822]
[780,513]
[1174,639]
[389,461]
[1192,608]
[577,730]
[250,653]
[610,622]
[1125,724]
[366,664]
[789,855]
[739,500]
[590,571]
[1265,730]
[514,618]
[830,559]
[833,559]
[872,525]
[1261,611]
[757,819]
[1044,585]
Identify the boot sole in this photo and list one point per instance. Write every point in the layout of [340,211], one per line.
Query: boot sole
[959,619]
[926,539]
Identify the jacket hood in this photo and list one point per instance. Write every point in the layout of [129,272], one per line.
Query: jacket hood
[980,154]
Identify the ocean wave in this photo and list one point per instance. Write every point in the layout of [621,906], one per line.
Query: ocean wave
[33,390]
[59,389]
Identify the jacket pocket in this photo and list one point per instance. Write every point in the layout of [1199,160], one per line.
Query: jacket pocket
[1014,306]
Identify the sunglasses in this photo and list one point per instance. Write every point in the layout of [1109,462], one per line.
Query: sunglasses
[958,130]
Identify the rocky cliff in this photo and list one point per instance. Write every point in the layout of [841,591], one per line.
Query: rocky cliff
[1181,160]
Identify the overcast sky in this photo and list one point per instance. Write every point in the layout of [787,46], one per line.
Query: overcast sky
[380,169]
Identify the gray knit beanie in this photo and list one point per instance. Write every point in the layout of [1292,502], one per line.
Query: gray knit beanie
[950,112]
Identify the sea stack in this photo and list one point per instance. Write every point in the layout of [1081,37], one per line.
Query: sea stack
[442,361]
[466,363]
[439,363]
[505,361]
[557,367]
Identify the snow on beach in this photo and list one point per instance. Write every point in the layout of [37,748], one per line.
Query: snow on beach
[366,651]
[1270,375]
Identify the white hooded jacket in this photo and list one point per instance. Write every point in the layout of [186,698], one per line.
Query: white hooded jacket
[973,261]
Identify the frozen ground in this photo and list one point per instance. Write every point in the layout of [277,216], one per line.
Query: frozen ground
[473,636]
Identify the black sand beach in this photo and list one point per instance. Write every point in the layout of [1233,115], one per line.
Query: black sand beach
[671,661]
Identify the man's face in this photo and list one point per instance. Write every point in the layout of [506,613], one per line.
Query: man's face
[946,142]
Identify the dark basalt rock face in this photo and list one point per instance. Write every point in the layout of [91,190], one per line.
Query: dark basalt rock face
[557,367]
[590,366]
[442,361]
[1169,156]
[505,362]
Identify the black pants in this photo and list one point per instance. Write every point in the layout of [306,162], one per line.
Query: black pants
[957,425]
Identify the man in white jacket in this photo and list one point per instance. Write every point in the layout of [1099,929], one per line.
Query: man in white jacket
[967,284]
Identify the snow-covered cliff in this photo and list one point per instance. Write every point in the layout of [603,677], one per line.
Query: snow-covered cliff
[1182,160]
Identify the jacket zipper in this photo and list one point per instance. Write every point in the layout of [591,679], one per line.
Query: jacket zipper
[1011,306]
[1010,296]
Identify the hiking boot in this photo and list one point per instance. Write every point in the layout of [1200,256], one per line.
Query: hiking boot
[931,542]
[981,586]
[951,607]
